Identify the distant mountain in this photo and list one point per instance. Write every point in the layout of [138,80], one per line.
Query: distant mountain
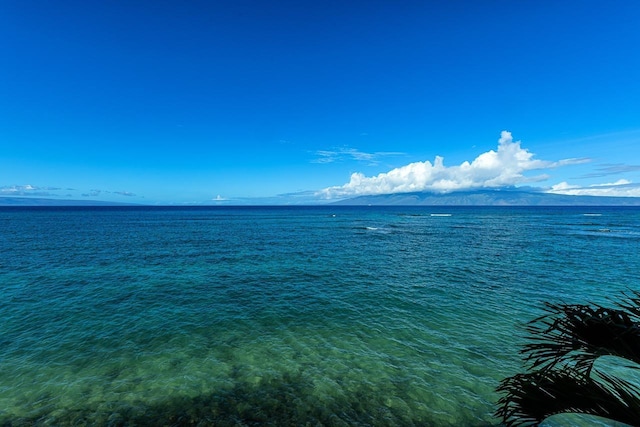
[33,201]
[489,198]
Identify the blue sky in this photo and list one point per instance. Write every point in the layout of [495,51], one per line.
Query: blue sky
[172,102]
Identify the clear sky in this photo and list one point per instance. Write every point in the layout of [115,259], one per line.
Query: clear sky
[237,101]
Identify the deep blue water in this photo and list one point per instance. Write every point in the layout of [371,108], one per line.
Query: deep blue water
[287,315]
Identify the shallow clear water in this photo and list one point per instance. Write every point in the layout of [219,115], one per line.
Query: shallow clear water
[286,316]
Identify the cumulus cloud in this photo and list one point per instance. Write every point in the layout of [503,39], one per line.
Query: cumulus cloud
[620,188]
[501,168]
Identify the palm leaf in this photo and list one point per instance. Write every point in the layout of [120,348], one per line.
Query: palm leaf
[576,335]
[632,306]
[532,397]
[563,345]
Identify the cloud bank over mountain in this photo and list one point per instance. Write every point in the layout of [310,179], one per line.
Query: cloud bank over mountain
[503,167]
[620,188]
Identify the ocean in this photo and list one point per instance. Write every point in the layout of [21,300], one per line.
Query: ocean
[340,316]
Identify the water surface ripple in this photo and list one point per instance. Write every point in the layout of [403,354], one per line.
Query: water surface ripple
[286,316]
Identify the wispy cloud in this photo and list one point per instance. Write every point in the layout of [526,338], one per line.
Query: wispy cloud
[620,188]
[501,168]
[346,153]
[612,169]
[28,190]
[92,193]
[125,193]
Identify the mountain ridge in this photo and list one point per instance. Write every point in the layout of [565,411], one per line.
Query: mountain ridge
[503,197]
[499,197]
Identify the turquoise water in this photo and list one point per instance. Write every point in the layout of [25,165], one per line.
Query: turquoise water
[286,316]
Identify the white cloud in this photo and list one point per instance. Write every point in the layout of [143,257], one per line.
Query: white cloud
[27,190]
[345,153]
[620,188]
[493,169]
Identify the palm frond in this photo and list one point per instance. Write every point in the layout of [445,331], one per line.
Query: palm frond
[563,346]
[632,304]
[577,335]
[532,397]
